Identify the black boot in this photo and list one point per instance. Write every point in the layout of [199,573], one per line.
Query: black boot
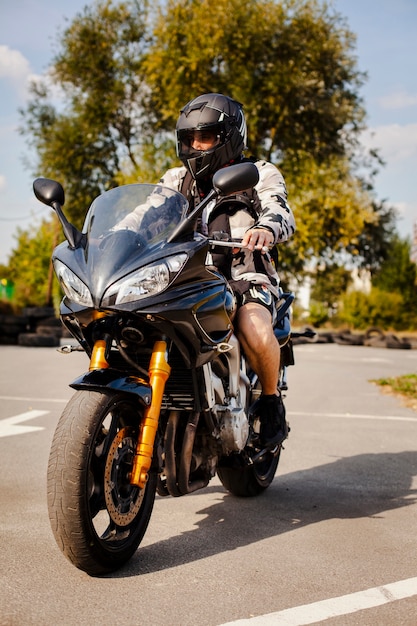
[271,413]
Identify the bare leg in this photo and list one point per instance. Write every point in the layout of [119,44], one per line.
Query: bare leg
[255,333]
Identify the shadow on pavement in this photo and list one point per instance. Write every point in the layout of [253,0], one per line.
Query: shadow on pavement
[362,486]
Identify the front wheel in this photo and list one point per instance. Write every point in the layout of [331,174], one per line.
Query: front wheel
[98,518]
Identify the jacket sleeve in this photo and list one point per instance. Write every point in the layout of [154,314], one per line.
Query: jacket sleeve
[276,215]
[173,178]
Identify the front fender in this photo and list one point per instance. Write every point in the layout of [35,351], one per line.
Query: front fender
[100,379]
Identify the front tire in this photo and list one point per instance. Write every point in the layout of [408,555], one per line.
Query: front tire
[98,518]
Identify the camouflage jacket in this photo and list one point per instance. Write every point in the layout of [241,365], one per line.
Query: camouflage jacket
[264,207]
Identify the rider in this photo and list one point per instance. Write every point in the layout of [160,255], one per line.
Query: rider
[211,134]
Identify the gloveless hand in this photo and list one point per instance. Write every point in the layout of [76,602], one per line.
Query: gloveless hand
[258,239]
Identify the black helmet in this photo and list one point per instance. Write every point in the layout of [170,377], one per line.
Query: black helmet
[218,113]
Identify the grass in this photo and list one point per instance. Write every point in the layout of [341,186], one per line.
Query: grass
[403,386]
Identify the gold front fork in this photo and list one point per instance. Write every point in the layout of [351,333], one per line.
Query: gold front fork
[159,371]
[98,356]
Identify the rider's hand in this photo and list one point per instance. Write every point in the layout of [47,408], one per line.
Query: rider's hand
[258,239]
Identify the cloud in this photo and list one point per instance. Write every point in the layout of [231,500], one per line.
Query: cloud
[398,100]
[403,208]
[15,68]
[394,141]
[407,217]
[13,64]
[3,182]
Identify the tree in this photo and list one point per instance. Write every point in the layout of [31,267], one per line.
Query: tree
[329,284]
[292,65]
[124,74]
[30,265]
[98,69]
[398,275]
[392,301]
[378,308]
[332,212]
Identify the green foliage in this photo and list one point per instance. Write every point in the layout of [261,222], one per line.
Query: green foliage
[373,244]
[318,314]
[99,70]
[391,303]
[398,273]
[378,308]
[332,211]
[30,267]
[329,283]
[292,66]
[289,62]
[4,272]
[154,157]
[125,73]
[404,385]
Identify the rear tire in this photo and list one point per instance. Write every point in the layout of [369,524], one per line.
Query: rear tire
[242,478]
[247,481]
[98,518]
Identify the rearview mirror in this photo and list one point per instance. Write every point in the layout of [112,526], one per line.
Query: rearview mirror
[49,191]
[235,178]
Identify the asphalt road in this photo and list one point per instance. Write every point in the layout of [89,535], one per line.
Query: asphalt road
[333,537]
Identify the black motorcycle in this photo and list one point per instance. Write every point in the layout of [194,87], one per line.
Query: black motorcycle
[164,404]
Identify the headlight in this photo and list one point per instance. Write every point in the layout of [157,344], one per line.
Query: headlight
[148,281]
[73,287]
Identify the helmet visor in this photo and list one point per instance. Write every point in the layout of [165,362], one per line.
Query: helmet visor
[199,141]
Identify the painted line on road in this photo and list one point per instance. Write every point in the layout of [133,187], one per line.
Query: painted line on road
[400,418]
[334,607]
[20,398]
[12,425]
[356,416]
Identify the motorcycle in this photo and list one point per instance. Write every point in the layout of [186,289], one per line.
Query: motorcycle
[164,405]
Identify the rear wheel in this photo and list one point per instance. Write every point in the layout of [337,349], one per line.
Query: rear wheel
[247,474]
[98,518]
[246,480]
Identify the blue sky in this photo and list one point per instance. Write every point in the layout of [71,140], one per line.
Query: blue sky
[386,49]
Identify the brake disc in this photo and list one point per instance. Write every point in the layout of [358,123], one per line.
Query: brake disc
[123,500]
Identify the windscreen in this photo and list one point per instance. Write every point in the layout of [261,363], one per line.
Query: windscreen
[124,224]
[152,212]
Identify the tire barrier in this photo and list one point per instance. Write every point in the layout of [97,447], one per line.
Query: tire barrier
[11,326]
[37,341]
[374,337]
[37,326]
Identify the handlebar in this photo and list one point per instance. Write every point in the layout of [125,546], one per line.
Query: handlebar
[233,244]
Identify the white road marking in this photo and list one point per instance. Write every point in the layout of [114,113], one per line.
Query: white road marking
[22,399]
[356,416]
[401,418]
[333,607]
[11,425]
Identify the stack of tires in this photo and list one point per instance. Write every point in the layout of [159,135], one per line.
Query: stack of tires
[43,328]
[37,326]
[11,326]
